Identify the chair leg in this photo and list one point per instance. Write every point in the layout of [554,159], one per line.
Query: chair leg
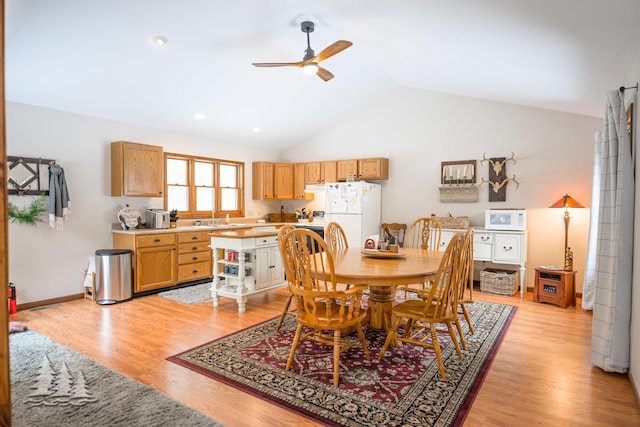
[363,341]
[294,347]
[468,318]
[336,357]
[390,337]
[454,338]
[462,340]
[436,348]
[284,313]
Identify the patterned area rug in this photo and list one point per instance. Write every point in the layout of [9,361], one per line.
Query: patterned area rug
[53,385]
[405,388]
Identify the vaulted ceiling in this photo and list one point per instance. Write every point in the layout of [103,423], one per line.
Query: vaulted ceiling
[97,58]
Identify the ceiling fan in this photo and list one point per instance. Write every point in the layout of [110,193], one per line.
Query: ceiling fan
[309,63]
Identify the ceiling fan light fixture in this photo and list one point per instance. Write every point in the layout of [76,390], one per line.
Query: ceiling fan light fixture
[160,40]
[310,69]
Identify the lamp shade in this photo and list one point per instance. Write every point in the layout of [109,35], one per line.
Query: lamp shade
[566,201]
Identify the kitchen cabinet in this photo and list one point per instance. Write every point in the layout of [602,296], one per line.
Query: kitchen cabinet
[262,181]
[136,169]
[194,256]
[164,259]
[299,170]
[245,263]
[374,168]
[154,259]
[329,171]
[312,173]
[283,181]
[345,167]
[500,247]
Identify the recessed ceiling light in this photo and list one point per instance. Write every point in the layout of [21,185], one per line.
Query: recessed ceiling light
[256,130]
[160,40]
[200,116]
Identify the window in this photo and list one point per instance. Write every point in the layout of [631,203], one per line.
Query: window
[199,187]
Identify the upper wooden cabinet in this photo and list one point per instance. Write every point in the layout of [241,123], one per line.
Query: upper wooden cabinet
[346,166]
[283,181]
[262,181]
[299,173]
[312,173]
[136,169]
[329,171]
[374,168]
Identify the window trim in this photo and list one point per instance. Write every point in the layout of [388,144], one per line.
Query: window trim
[191,214]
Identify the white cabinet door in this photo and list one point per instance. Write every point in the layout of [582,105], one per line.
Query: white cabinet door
[262,270]
[268,264]
[507,248]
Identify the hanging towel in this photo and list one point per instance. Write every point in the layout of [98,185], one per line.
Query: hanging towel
[58,197]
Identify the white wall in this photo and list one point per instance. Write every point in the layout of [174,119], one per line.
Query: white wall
[44,263]
[417,130]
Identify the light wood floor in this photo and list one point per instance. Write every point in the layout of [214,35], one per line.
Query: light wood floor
[542,374]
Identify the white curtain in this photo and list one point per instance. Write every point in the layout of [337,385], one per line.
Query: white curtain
[608,276]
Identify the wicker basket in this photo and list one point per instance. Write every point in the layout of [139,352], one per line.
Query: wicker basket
[498,281]
[461,222]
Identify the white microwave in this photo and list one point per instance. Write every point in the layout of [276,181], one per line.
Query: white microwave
[505,219]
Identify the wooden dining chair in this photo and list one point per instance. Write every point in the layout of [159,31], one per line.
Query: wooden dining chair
[323,311]
[394,229]
[463,284]
[335,237]
[421,316]
[281,232]
[424,233]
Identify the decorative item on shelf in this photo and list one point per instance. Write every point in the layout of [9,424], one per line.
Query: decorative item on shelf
[498,177]
[350,177]
[567,202]
[458,180]
[173,218]
[451,222]
[25,172]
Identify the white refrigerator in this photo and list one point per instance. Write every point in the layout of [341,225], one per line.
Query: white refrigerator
[356,207]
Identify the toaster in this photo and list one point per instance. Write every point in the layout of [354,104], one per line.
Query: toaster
[157,218]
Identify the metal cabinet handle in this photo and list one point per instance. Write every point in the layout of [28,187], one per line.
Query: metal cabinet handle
[195,258]
[194,271]
[156,240]
[507,248]
[194,238]
[484,238]
[194,248]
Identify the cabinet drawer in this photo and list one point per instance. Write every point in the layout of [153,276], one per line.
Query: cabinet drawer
[482,238]
[189,272]
[506,248]
[266,241]
[186,248]
[196,236]
[155,240]
[190,258]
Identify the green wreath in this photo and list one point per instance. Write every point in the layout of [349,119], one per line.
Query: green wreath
[30,214]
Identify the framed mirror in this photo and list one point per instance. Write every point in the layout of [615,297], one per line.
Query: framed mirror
[458,172]
[25,175]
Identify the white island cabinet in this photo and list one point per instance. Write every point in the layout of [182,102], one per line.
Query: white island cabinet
[500,247]
[245,262]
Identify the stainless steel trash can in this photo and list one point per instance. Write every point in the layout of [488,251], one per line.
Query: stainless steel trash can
[113,275]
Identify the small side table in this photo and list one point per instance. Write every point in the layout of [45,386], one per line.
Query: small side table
[555,287]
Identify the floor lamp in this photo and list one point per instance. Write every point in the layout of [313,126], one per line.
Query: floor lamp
[567,202]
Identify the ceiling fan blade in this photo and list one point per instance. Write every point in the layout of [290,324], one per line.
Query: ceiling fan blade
[324,74]
[277,64]
[331,50]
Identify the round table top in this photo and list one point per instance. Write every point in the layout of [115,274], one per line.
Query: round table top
[355,268]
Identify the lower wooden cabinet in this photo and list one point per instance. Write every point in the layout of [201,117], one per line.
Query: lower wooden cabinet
[162,260]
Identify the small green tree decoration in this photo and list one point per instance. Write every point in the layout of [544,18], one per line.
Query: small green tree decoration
[29,215]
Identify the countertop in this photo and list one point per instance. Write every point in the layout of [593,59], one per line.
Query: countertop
[215,230]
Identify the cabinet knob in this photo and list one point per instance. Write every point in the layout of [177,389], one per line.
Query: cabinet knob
[156,240]
[194,271]
[194,238]
[194,248]
[195,258]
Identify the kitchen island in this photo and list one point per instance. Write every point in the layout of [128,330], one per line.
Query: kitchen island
[245,262]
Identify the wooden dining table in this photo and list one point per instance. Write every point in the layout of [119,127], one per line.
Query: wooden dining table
[382,275]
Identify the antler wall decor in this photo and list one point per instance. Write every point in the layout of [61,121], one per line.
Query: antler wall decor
[498,177]
[495,162]
[496,186]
